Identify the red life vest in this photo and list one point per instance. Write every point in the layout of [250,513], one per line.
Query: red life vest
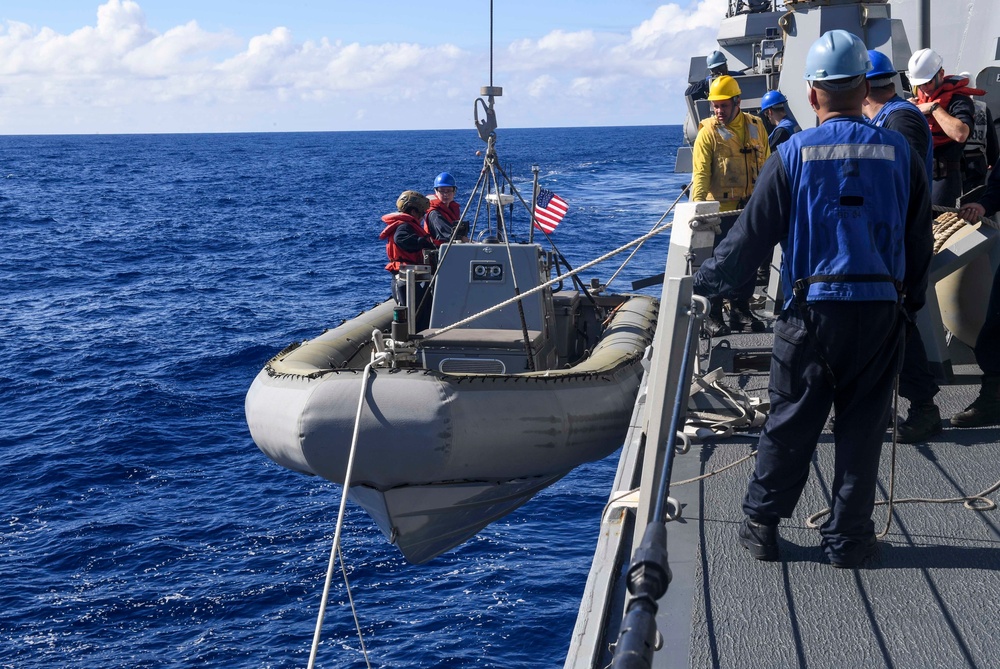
[452,213]
[951,86]
[397,256]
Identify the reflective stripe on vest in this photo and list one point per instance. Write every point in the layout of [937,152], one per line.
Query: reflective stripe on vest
[849,197]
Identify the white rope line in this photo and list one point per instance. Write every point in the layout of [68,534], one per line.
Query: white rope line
[552,282]
[977,502]
[636,249]
[317,634]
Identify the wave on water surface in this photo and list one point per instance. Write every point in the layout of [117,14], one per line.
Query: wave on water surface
[147,279]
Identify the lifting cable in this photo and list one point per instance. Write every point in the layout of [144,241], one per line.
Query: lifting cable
[505,235]
[636,249]
[335,549]
[552,282]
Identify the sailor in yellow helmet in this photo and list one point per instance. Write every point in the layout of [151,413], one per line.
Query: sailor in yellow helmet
[729,150]
[728,154]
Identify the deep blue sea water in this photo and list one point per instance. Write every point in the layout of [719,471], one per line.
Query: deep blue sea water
[144,282]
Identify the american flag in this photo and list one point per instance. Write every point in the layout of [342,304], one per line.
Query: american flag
[549,210]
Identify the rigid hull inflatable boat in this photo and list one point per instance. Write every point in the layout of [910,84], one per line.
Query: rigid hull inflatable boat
[458,426]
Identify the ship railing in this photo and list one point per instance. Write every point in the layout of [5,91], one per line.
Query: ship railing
[642,481]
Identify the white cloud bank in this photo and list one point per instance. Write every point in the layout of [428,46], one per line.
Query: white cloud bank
[121,76]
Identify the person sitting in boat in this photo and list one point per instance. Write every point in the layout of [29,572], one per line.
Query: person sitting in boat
[444,213]
[885,109]
[405,238]
[717,66]
[985,410]
[772,106]
[850,206]
[946,102]
[728,154]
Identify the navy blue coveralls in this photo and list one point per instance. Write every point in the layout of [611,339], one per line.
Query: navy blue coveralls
[988,342]
[850,207]
[786,128]
[916,382]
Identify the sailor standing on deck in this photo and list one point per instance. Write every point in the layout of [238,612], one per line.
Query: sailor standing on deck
[916,382]
[951,115]
[849,204]
[986,409]
[717,66]
[727,157]
[772,105]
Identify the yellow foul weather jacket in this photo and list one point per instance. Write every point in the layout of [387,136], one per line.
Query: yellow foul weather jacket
[727,159]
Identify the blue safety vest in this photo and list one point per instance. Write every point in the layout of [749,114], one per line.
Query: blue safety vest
[899,104]
[788,124]
[850,184]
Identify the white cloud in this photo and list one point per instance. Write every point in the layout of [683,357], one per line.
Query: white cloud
[119,75]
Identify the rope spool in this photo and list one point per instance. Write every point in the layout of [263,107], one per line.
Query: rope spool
[962,295]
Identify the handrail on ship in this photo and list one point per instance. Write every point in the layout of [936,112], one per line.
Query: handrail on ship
[632,503]
[667,377]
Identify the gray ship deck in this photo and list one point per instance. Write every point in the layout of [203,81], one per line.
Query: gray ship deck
[926,600]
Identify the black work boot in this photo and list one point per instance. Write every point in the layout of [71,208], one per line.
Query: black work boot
[922,421]
[985,410]
[714,325]
[853,554]
[740,313]
[760,540]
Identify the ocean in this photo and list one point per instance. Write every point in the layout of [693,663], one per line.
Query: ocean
[146,279]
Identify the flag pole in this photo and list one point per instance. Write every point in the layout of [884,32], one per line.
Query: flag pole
[534,201]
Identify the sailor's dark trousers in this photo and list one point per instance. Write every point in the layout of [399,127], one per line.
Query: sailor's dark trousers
[916,381]
[837,354]
[988,342]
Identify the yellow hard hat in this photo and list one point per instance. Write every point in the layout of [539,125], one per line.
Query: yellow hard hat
[723,88]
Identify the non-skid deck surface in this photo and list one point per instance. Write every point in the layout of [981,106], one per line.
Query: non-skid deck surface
[928,599]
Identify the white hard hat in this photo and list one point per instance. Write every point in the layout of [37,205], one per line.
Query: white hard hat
[924,66]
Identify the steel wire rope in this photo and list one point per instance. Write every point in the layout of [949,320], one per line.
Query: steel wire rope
[636,249]
[454,231]
[547,284]
[502,227]
[573,272]
[534,224]
[335,548]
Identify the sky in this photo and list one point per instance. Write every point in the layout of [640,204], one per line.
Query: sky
[146,66]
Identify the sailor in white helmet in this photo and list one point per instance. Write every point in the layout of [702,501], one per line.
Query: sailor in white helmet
[946,103]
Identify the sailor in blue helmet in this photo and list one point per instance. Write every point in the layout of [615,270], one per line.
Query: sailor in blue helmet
[886,109]
[772,106]
[444,212]
[849,204]
[717,66]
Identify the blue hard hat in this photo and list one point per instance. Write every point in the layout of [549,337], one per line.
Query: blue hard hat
[837,54]
[444,180]
[772,98]
[881,65]
[715,59]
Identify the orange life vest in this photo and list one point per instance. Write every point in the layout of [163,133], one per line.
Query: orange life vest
[451,213]
[397,256]
[951,86]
